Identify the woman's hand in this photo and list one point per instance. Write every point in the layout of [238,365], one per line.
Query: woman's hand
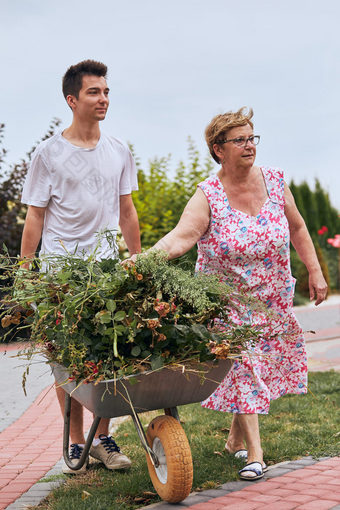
[317,287]
[130,261]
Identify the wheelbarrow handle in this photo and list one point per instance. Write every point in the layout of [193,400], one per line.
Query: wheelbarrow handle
[67,417]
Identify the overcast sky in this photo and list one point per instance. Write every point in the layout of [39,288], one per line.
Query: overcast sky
[175,64]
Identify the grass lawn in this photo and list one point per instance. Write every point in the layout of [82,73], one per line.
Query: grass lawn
[297,426]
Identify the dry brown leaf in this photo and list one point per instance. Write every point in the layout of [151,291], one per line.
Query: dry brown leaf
[6,321]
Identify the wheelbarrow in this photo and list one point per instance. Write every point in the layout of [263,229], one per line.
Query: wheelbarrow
[167,448]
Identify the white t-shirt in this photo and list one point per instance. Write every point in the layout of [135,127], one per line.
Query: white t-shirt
[81,189]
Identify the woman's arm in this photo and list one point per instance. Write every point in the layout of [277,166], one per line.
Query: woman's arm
[303,244]
[192,225]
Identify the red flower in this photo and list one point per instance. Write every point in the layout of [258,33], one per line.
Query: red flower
[322,230]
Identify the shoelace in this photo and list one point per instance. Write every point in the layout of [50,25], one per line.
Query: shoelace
[109,444]
[75,451]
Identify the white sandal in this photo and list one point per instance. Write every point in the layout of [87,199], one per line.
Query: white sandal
[239,454]
[253,467]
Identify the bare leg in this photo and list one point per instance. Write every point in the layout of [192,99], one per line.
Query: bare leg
[77,419]
[249,424]
[103,427]
[235,439]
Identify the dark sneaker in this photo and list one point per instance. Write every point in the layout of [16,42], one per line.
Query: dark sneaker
[109,453]
[75,454]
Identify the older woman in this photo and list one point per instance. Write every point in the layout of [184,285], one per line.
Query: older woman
[243,219]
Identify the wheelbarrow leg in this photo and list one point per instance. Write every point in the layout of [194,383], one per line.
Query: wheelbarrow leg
[142,437]
[172,411]
[88,443]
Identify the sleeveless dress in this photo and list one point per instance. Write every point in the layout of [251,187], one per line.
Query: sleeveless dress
[252,253]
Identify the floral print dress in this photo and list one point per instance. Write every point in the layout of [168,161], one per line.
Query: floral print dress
[252,252]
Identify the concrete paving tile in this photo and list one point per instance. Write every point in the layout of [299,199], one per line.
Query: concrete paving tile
[273,483]
[232,486]
[214,493]
[282,492]
[231,498]
[273,473]
[333,496]
[165,506]
[316,491]
[322,479]
[307,461]
[4,482]
[265,498]
[300,498]
[235,505]
[284,505]
[333,461]
[319,468]
[317,504]
[208,505]
[292,466]
[334,481]
[17,487]
[194,499]
[296,474]
[257,488]
[6,500]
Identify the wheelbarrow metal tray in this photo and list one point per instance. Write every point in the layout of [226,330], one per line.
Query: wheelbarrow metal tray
[160,389]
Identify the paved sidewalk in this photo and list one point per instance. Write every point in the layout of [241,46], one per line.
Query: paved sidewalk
[305,484]
[31,445]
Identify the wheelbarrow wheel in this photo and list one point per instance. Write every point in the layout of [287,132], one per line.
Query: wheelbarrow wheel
[172,479]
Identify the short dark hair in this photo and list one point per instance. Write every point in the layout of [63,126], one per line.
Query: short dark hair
[73,78]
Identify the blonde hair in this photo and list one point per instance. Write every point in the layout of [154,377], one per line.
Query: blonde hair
[217,129]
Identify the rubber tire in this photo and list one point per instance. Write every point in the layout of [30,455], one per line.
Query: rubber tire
[178,459]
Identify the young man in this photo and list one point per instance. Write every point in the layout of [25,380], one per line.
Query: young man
[79,184]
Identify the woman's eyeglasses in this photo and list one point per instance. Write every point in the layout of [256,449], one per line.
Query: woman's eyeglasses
[241,141]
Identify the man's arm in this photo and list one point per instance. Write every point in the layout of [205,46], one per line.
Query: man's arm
[129,225]
[32,232]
